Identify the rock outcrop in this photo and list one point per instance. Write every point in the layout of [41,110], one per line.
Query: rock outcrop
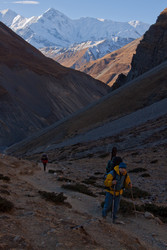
[152,50]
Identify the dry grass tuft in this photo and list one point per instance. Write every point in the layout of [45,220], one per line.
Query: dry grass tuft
[5,205]
[137,193]
[4,178]
[79,188]
[137,170]
[58,199]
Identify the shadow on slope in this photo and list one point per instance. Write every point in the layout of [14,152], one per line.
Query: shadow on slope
[143,91]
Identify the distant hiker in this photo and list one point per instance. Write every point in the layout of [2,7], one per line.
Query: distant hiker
[44,160]
[114,152]
[115,160]
[115,181]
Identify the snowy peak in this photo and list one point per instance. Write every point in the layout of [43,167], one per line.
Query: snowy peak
[52,14]
[134,23]
[53,28]
[7,16]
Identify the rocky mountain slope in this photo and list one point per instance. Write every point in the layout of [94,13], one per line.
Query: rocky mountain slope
[136,95]
[152,50]
[108,68]
[35,91]
[77,55]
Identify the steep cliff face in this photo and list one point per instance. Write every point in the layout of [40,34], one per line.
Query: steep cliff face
[152,50]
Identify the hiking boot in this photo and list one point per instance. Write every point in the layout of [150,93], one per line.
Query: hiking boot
[119,222]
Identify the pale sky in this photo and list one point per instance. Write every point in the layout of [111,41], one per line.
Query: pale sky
[116,10]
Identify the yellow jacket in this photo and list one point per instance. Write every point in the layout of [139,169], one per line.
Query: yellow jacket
[109,179]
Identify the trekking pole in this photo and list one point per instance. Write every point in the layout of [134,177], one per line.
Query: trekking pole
[113,202]
[133,202]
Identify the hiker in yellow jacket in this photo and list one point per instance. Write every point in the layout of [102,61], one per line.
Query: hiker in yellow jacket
[115,182]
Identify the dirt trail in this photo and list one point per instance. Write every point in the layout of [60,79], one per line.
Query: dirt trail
[37,224]
[148,231]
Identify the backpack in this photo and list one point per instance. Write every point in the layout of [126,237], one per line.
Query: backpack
[120,180]
[116,160]
[110,166]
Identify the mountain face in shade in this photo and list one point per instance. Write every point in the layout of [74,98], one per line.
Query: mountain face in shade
[152,49]
[35,91]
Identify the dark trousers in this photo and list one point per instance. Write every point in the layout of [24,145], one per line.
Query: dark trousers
[108,204]
[44,165]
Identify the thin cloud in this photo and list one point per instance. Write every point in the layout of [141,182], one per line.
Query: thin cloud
[26,2]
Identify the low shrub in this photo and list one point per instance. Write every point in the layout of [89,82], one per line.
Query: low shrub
[57,199]
[61,178]
[137,170]
[135,153]
[4,191]
[5,205]
[159,211]
[4,178]
[126,207]
[104,155]
[91,180]
[137,193]
[154,161]
[99,173]
[79,188]
[145,175]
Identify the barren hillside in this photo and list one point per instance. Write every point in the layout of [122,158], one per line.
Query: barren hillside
[138,94]
[36,91]
[108,68]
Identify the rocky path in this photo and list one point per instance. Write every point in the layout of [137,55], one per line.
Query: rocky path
[37,224]
[148,231]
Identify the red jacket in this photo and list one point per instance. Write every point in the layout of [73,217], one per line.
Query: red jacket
[44,159]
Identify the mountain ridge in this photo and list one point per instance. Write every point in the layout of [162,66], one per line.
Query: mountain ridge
[55,25]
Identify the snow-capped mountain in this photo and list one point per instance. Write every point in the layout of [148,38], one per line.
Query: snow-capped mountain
[79,54]
[7,16]
[55,29]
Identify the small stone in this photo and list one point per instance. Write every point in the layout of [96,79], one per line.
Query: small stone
[17,238]
[148,215]
[158,220]
[119,222]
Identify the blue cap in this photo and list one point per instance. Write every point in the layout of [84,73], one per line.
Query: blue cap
[122,165]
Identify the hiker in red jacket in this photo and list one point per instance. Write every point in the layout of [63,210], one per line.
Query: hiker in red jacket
[44,160]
